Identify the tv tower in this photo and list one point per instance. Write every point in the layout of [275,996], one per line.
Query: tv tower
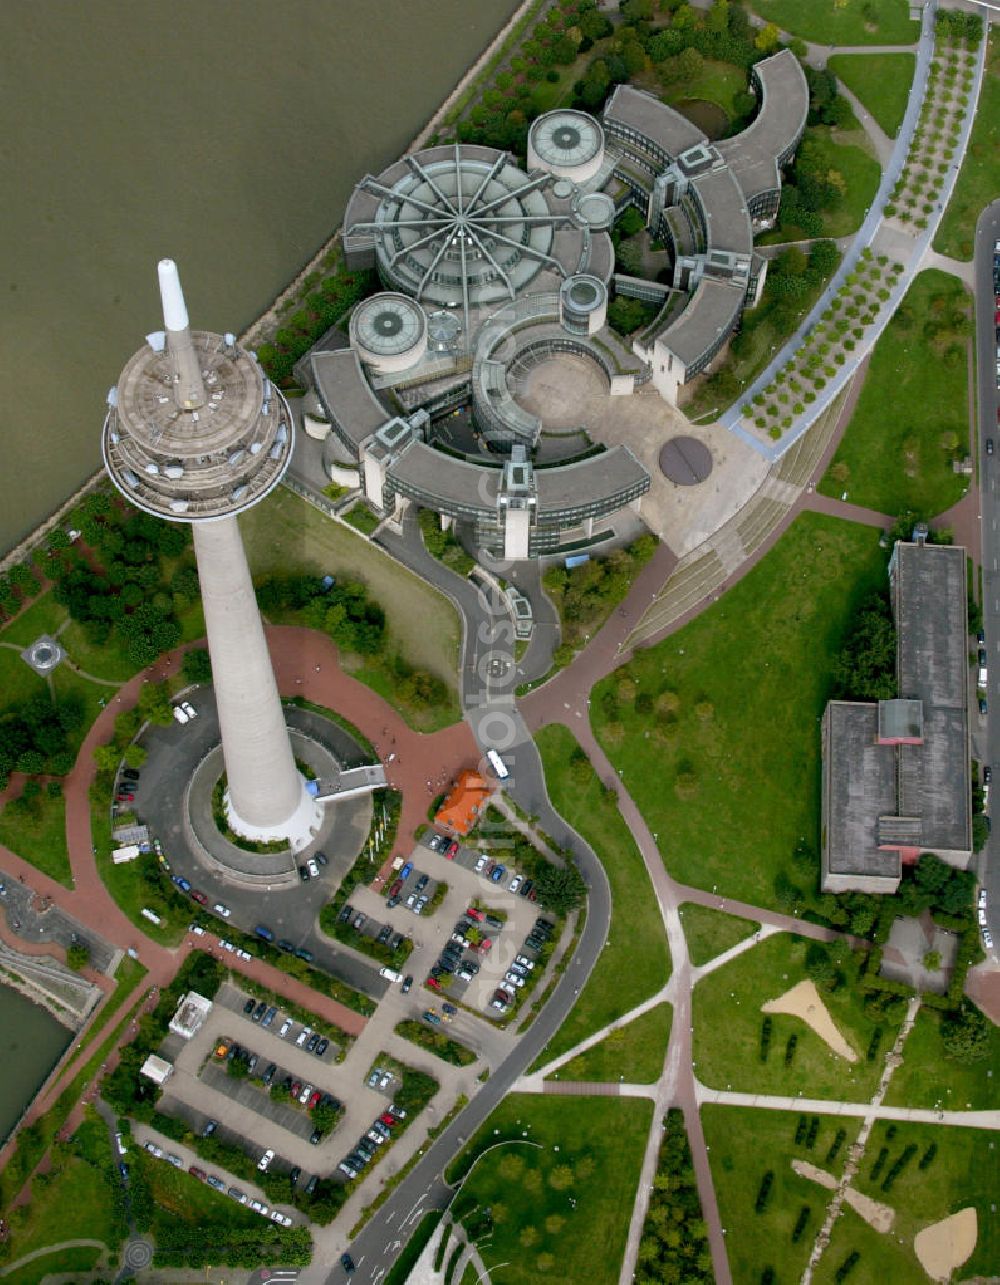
[196,433]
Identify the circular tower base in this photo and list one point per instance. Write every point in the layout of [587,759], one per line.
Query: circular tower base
[298,831]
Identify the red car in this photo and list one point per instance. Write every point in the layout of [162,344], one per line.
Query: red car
[199,897]
[433,983]
[475,914]
[314,1098]
[388,1119]
[195,1172]
[395,889]
[484,945]
[451,852]
[296,1088]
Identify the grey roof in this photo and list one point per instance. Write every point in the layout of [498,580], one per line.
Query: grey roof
[945,799]
[861,779]
[601,478]
[931,623]
[784,105]
[899,719]
[725,211]
[444,480]
[344,392]
[640,111]
[713,310]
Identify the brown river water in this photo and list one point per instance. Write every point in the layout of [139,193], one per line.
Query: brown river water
[226,134]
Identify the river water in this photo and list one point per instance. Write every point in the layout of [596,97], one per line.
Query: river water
[31,1042]
[226,134]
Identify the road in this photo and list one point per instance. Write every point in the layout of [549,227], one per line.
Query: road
[988,737]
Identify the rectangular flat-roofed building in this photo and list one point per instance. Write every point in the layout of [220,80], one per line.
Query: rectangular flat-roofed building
[896,779]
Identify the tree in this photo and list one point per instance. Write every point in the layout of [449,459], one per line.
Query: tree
[560,890]
[154,704]
[965,1034]
[768,38]
[197,666]
[135,755]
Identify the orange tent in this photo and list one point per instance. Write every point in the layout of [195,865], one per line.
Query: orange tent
[465,803]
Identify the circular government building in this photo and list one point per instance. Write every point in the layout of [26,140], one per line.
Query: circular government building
[490,270]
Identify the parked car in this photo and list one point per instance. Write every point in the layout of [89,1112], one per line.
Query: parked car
[432,1017]
[182,883]
[312,1041]
[303,1035]
[250,1005]
[421,883]
[481,863]
[306,1094]
[526,888]
[259,1011]
[269,1016]
[286,1026]
[222,910]
[302,953]
[269,1074]
[406,871]
[407,983]
[313,868]
[321,1047]
[210,1128]
[451,852]
[497,873]
[515,883]
[360,919]
[345,913]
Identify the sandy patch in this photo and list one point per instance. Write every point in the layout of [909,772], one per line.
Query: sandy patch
[804,1001]
[943,1246]
[875,1214]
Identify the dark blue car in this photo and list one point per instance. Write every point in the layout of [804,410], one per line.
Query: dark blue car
[497,873]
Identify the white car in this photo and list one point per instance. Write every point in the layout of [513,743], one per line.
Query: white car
[982,899]
[306,1094]
[981,916]
[222,910]
[122,1149]
[243,954]
[302,1036]
[189,709]
[256,1206]
[313,868]
[481,863]
[281,1219]
[516,882]
[265,1160]
[460,940]
[987,939]
[524,961]
[197,930]
[154,1150]
[228,945]
[286,1026]
[176,1161]
[514,980]
[181,714]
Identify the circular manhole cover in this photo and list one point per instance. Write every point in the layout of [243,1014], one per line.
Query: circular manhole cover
[685,460]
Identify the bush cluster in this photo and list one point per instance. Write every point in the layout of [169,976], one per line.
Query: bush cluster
[764,1191]
[674,1244]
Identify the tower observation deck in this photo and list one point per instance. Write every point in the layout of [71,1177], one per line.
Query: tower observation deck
[196,433]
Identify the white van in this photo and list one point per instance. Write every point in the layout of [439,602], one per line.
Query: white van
[981,678]
[389,974]
[497,764]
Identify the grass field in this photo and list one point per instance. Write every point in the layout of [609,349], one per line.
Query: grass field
[851,22]
[76,1201]
[44,616]
[128,888]
[17,681]
[728,1021]
[743,1145]
[729,774]
[39,836]
[108,661]
[851,155]
[962,1173]
[711,932]
[286,535]
[634,1052]
[881,81]
[717,82]
[979,178]
[900,461]
[635,963]
[957,1085]
[553,1203]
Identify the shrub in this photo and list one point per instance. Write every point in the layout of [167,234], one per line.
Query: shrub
[800,1130]
[879,1164]
[811,1135]
[765,1038]
[928,1157]
[847,1266]
[835,1146]
[790,1047]
[800,1224]
[904,1158]
[764,1191]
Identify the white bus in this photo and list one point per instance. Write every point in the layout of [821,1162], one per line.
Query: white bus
[497,764]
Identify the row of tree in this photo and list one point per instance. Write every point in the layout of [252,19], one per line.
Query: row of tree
[674,1244]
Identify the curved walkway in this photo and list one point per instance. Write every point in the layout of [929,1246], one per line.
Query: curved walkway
[53,1249]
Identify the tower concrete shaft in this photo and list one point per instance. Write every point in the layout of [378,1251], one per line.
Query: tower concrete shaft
[266,796]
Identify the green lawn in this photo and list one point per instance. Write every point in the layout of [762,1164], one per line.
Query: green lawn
[963,1172]
[850,154]
[728,1024]
[130,890]
[634,1052]
[38,834]
[903,461]
[744,1144]
[108,661]
[44,616]
[635,963]
[979,178]
[75,1201]
[843,22]
[537,1232]
[881,81]
[17,681]
[711,932]
[361,518]
[717,82]
[729,775]
[285,535]
[928,1075]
